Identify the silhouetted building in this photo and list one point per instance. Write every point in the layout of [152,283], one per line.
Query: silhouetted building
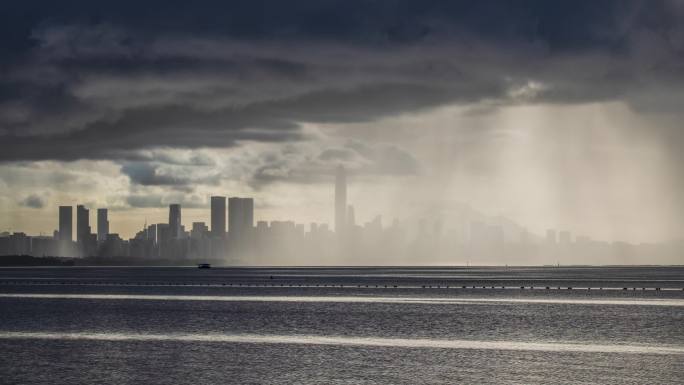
[163,238]
[114,246]
[44,246]
[65,223]
[102,225]
[201,245]
[340,199]
[163,233]
[152,233]
[218,216]
[139,246]
[240,216]
[175,221]
[82,223]
[199,230]
[15,244]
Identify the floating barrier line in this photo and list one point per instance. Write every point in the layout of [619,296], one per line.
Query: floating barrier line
[330,286]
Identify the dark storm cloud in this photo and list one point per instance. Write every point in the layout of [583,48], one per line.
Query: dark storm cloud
[103,81]
[33,201]
[151,200]
[359,158]
[156,174]
[164,157]
[567,24]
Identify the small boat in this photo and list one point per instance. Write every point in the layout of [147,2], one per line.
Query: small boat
[204,266]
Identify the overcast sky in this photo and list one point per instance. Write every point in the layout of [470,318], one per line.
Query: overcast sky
[555,114]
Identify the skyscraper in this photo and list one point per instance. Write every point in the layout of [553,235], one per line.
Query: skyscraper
[175,221]
[340,199]
[163,233]
[102,225]
[82,223]
[218,216]
[351,221]
[65,223]
[248,216]
[240,216]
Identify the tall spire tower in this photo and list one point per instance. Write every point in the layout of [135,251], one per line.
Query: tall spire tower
[340,199]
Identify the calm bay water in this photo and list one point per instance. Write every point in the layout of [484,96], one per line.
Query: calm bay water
[341,325]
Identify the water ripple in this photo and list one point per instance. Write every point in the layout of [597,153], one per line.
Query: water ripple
[356,341]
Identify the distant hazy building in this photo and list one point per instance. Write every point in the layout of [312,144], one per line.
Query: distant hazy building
[262,226]
[340,199]
[240,216]
[583,240]
[218,216]
[564,237]
[351,219]
[524,236]
[102,225]
[199,230]
[65,223]
[375,225]
[551,237]
[495,235]
[175,221]
[477,232]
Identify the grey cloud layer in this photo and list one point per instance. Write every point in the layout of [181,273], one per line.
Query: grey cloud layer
[108,90]
[298,165]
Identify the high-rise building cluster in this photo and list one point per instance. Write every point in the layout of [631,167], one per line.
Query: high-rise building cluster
[233,235]
[234,238]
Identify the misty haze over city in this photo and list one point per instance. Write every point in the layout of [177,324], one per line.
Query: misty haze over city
[469,134]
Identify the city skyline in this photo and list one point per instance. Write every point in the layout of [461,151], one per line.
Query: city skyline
[233,237]
[514,113]
[238,214]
